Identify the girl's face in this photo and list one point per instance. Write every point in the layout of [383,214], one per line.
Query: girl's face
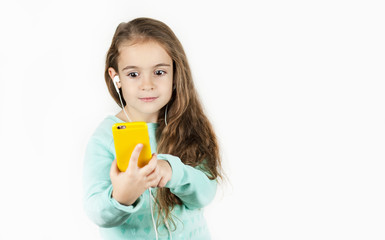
[146,78]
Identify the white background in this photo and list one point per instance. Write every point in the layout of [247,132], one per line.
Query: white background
[295,90]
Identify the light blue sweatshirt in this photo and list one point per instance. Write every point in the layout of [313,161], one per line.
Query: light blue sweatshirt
[118,221]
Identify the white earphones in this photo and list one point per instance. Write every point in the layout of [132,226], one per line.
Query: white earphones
[115,80]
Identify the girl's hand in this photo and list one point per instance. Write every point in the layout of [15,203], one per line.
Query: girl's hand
[129,185]
[164,171]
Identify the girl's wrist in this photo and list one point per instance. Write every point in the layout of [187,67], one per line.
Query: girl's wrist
[121,201]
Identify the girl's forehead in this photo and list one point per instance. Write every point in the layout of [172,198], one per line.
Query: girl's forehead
[140,43]
[143,54]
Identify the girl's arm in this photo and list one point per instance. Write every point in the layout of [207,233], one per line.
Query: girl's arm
[190,184]
[98,203]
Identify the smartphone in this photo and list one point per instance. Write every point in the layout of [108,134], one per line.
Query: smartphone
[126,137]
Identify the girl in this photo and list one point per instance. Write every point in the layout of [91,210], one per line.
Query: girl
[154,79]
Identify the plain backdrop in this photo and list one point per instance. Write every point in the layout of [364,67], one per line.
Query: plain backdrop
[294,89]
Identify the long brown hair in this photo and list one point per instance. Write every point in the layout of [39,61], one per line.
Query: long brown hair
[188,133]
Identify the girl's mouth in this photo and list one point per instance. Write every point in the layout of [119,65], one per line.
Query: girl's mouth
[148,99]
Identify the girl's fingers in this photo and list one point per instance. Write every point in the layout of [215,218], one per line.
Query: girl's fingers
[155,172]
[134,156]
[153,175]
[150,167]
[114,170]
[162,182]
[154,182]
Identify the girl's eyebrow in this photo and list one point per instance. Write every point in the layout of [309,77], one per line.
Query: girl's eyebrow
[157,65]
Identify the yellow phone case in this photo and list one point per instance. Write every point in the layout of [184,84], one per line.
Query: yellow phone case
[126,137]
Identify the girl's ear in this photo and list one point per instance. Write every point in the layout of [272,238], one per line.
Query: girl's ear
[113,74]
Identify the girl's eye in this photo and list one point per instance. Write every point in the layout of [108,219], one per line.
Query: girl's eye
[133,74]
[160,72]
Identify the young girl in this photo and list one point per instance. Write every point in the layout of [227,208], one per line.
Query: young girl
[154,80]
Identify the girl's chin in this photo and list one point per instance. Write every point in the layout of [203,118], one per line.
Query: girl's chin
[146,112]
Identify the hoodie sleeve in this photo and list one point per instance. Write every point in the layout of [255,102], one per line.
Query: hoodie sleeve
[190,184]
[98,203]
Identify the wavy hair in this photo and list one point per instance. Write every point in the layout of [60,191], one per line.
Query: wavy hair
[188,133]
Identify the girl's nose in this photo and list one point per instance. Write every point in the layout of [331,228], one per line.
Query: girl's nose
[147,83]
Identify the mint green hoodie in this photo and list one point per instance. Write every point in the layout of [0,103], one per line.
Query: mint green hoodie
[118,221]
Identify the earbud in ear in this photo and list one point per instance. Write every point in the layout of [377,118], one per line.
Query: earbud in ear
[115,81]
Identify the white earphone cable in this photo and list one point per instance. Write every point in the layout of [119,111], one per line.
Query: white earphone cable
[165,115]
[152,213]
[164,217]
[124,110]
